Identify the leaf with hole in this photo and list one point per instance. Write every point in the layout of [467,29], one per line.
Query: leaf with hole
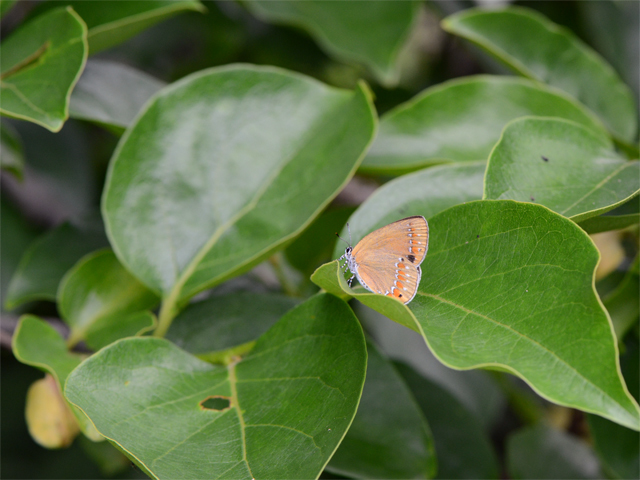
[291,400]
[461,120]
[509,285]
[561,165]
[537,48]
[40,64]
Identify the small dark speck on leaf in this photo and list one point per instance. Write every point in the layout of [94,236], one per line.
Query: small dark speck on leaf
[545,158]
[533,199]
[477,236]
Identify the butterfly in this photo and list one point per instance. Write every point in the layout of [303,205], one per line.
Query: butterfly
[387,261]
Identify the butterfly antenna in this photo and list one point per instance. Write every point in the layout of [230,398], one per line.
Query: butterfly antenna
[348,228]
[342,239]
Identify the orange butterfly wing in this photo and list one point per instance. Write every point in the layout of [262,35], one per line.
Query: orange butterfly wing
[389,258]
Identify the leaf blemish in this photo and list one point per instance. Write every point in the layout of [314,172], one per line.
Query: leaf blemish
[545,158]
[218,403]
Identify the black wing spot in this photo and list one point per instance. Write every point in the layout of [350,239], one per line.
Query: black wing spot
[400,295]
[411,258]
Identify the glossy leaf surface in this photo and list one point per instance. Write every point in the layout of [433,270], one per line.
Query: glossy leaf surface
[111,93]
[102,302]
[544,452]
[289,402]
[371,33]
[425,193]
[460,120]
[389,437]
[539,49]
[462,446]
[40,64]
[194,193]
[560,165]
[510,285]
[46,261]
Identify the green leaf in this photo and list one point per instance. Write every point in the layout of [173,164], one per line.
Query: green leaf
[619,447]
[510,286]
[314,246]
[290,401]
[462,447]
[111,23]
[460,120]
[605,223]
[111,93]
[561,165]
[15,235]
[11,152]
[59,168]
[186,211]
[46,261]
[225,321]
[623,303]
[389,437]
[40,64]
[426,192]
[539,49]
[369,33]
[477,390]
[102,302]
[5,6]
[38,344]
[544,452]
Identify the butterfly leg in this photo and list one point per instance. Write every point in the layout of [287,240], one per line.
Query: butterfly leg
[351,280]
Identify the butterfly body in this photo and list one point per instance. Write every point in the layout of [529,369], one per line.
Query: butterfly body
[387,261]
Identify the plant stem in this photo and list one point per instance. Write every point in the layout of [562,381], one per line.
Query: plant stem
[289,289]
[167,313]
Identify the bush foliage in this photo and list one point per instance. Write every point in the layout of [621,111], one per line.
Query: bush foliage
[174,173]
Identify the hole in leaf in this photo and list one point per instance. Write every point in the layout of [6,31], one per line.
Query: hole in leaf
[217,403]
